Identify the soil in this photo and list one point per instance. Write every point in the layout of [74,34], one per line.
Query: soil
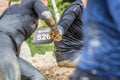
[47,65]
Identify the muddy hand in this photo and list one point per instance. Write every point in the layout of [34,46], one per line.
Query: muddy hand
[56,36]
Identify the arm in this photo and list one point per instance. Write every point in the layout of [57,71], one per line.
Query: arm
[68,17]
[45,14]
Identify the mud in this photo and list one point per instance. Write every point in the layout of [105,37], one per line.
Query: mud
[47,65]
[67,63]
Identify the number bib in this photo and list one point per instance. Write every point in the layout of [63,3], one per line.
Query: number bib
[41,36]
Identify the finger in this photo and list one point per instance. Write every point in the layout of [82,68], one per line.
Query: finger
[57,37]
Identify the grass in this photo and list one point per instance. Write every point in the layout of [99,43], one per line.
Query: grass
[39,49]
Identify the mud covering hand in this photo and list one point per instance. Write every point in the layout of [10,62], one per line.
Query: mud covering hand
[50,21]
[55,35]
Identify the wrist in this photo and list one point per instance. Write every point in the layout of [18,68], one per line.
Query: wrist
[60,29]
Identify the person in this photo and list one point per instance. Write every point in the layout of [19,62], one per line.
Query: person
[100,57]
[66,50]
[17,23]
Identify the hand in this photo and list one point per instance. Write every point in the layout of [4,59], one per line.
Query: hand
[56,35]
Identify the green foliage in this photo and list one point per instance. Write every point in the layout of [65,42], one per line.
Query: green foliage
[15,0]
[60,6]
[68,1]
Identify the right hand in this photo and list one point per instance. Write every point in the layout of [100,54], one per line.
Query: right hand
[56,35]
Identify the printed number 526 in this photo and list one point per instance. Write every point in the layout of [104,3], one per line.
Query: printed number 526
[43,37]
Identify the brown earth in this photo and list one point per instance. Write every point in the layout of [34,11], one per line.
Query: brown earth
[47,65]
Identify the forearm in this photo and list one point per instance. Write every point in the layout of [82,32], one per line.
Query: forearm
[65,22]
[49,19]
[45,14]
[68,17]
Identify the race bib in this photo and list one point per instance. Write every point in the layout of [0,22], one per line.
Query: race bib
[41,36]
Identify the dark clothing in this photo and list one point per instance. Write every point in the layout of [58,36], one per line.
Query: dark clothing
[82,75]
[9,67]
[24,18]
[70,24]
[101,51]
[17,27]
[28,72]
[17,23]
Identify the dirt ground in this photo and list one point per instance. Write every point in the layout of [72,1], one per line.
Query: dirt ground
[47,65]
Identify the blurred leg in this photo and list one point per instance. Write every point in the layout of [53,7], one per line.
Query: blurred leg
[29,72]
[82,75]
[9,67]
